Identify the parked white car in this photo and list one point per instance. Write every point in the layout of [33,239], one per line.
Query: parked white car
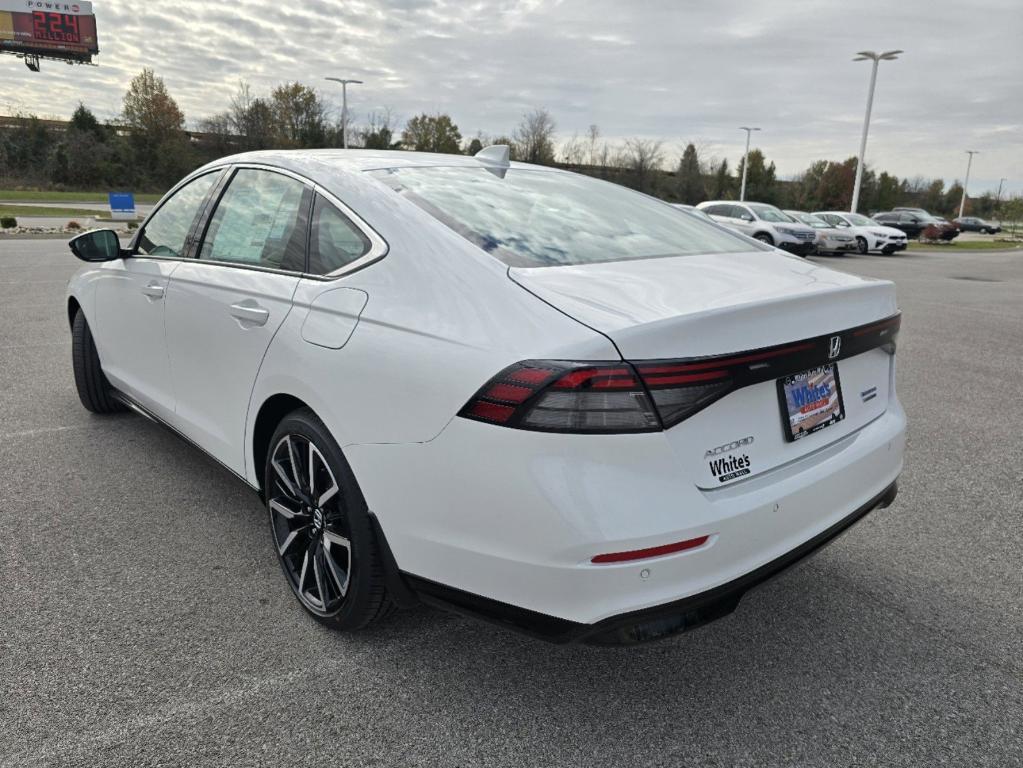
[829,239]
[514,391]
[765,223]
[869,234]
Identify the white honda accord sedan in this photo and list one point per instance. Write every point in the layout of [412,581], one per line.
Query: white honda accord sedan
[516,392]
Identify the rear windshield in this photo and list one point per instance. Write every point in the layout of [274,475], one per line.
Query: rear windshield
[535,218]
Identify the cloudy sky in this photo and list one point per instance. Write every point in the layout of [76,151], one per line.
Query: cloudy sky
[674,70]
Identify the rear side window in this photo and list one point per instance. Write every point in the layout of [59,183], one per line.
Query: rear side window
[335,241]
[542,218]
[261,221]
[167,229]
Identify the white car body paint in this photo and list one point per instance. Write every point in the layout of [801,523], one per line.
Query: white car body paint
[387,355]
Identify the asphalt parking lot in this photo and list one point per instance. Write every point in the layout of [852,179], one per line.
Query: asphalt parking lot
[144,621]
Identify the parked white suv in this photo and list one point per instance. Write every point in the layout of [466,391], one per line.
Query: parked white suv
[765,223]
[870,235]
[830,239]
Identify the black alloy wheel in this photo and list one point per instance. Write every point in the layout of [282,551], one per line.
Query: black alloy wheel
[320,526]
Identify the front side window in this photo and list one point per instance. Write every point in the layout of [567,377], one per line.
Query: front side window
[862,221]
[335,241]
[261,221]
[167,229]
[533,218]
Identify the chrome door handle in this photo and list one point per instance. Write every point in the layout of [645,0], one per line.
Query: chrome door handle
[250,313]
[154,291]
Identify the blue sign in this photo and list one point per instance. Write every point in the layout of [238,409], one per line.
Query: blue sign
[122,205]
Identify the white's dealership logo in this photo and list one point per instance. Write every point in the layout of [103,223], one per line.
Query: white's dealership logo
[835,348]
[730,467]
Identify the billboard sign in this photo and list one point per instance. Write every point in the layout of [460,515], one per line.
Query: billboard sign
[47,28]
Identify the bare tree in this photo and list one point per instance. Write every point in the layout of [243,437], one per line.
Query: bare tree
[573,151]
[378,132]
[534,137]
[643,157]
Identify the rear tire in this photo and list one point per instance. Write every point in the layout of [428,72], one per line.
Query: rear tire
[94,390]
[320,526]
[861,246]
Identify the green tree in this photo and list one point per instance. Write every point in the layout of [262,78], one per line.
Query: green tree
[299,116]
[722,183]
[432,133]
[934,196]
[761,184]
[161,148]
[689,186]
[949,206]
[474,146]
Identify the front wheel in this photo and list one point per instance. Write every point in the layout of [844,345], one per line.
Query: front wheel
[861,245]
[764,238]
[984,231]
[320,526]
[94,390]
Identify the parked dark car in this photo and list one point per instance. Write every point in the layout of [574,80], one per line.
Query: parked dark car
[973,224]
[917,225]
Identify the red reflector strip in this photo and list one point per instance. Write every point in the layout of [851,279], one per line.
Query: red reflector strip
[481,409]
[508,393]
[643,554]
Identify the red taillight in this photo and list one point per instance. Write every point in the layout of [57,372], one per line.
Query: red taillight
[555,396]
[643,554]
[650,395]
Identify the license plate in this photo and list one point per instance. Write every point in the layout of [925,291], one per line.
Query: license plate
[810,401]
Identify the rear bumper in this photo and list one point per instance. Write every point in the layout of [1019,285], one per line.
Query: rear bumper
[643,625]
[511,519]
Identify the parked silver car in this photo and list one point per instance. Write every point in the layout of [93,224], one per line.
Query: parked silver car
[765,223]
[829,239]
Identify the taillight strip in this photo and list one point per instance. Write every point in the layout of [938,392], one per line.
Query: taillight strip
[659,393]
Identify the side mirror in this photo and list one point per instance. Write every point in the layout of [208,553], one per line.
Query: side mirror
[746,217]
[97,245]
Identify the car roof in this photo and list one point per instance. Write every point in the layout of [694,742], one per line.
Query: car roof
[308,160]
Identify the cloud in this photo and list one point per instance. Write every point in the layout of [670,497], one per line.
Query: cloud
[665,69]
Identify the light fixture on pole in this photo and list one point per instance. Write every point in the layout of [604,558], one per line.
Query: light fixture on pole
[745,162]
[966,184]
[877,58]
[344,106]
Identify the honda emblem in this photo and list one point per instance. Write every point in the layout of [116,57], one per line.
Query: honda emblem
[835,348]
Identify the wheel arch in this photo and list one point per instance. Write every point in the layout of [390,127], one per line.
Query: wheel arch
[764,233]
[73,307]
[270,414]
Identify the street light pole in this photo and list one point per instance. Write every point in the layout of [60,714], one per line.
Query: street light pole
[877,58]
[966,184]
[344,106]
[745,162]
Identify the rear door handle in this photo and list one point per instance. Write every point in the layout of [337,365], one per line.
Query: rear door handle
[154,291]
[250,312]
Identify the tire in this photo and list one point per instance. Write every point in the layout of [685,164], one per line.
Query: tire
[984,231]
[321,531]
[861,246]
[764,238]
[94,390]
